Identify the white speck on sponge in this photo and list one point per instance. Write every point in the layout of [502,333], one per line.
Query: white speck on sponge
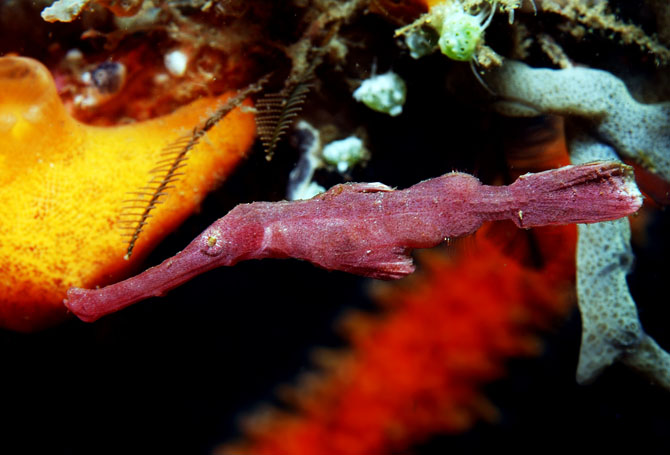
[383,93]
[344,153]
[176,62]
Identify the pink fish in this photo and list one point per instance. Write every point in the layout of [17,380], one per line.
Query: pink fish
[369,229]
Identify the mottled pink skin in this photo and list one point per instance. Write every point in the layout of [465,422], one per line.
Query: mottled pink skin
[369,229]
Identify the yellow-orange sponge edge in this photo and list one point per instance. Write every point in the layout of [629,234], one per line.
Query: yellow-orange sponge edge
[63,186]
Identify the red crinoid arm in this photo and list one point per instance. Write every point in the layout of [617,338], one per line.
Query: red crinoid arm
[369,229]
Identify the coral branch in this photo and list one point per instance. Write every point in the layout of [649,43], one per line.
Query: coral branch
[369,229]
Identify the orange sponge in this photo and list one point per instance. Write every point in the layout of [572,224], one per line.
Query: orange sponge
[63,186]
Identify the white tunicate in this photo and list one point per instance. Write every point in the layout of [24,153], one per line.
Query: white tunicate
[176,62]
[344,153]
[383,93]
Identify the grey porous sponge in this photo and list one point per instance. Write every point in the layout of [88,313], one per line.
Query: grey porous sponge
[637,131]
[608,124]
[611,328]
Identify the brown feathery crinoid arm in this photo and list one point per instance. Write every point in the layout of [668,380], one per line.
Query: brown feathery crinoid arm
[369,229]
